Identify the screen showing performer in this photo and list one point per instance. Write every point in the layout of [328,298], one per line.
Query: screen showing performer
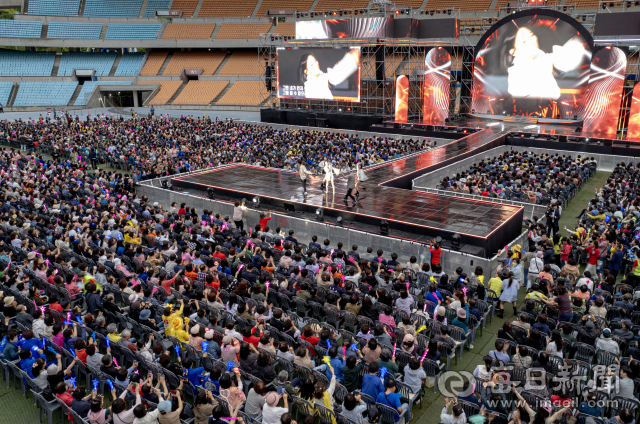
[344,28]
[318,73]
[531,65]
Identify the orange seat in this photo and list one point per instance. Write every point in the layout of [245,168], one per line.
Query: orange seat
[154,63]
[240,31]
[245,93]
[242,63]
[298,5]
[167,90]
[223,8]
[200,92]
[208,61]
[188,31]
[187,7]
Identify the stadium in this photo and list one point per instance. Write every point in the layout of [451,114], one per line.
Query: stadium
[319,212]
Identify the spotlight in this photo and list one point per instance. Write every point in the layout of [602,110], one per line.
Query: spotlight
[397,12]
[335,13]
[384,228]
[319,215]
[431,12]
[339,221]
[210,193]
[604,6]
[455,241]
[449,11]
[584,17]
[564,9]
[611,4]
[508,10]
[256,202]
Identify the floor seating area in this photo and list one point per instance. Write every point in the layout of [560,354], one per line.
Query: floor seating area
[101,62]
[45,93]
[200,92]
[83,30]
[188,31]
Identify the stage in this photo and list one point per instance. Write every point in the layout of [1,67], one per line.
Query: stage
[486,226]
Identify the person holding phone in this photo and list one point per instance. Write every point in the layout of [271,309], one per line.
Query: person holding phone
[271,412]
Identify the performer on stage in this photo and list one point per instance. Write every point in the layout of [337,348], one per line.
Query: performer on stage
[329,173]
[351,185]
[302,170]
[361,179]
[323,168]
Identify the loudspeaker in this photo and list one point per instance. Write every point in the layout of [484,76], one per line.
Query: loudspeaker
[380,65]
[563,139]
[267,77]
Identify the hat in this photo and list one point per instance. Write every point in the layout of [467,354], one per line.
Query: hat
[598,291]
[117,262]
[606,332]
[164,406]
[589,324]
[539,255]
[626,322]
[587,274]
[408,338]
[155,204]
[272,399]
[208,335]
[52,370]
[9,300]
[442,311]
[26,225]
[227,339]
[195,329]
[462,313]
[145,314]
[31,255]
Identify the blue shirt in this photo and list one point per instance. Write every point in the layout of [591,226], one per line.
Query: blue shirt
[193,375]
[372,385]
[26,365]
[337,365]
[392,400]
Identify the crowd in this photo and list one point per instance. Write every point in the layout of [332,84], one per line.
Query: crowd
[159,146]
[524,176]
[119,310]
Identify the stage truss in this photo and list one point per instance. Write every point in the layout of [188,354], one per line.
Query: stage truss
[377,95]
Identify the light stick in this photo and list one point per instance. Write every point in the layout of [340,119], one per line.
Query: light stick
[95,385]
[394,349]
[116,362]
[424,355]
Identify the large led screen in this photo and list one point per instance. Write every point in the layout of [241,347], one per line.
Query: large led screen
[633,132]
[437,79]
[344,28]
[402,98]
[532,63]
[319,73]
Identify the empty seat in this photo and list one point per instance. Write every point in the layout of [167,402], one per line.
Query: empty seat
[464,6]
[339,4]
[101,62]
[167,90]
[187,7]
[239,31]
[299,5]
[200,92]
[54,7]
[188,31]
[245,93]
[45,93]
[89,86]
[5,91]
[26,64]
[129,64]
[154,63]
[208,61]
[242,63]
[132,31]
[153,5]
[83,30]
[224,8]
[113,8]
[285,28]
[20,29]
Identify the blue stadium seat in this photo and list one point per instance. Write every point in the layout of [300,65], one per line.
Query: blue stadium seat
[45,93]
[20,29]
[113,8]
[153,5]
[5,90]
[54,7]
[88,87]
[132,31]
[129,64]
[101,62]
[26,64]
[83,30]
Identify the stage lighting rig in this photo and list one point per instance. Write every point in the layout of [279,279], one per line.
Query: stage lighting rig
[339,221]
[256,202]
[384,228]
[319,215]
[210,193]
[456,241]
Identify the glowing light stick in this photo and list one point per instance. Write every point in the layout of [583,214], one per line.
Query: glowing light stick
[95,385]
[72,381]
[68,321]
[110,383]
[344,350]
[52,350]
[328,344]
[205,346]
[380,260]
[332,252]
[107,341]
[408,283]
[93,336]
[383,372]
[79,320]
[177,349]
[240,267]
[55,272]
[327,361]
[424,308]
[464,290]
[354,346]
[155,289]
[116,362]
[229,365]
[73,353]
[424,355]
[422,327]
[267,285]
[394,349]
[42,308]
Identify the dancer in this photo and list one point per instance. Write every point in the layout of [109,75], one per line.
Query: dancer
[351,185]
[302,170]
[329,172]
[361,179]
[323,167]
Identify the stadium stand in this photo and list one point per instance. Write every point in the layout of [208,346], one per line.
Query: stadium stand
[154,63]
[88,88]
[84,30]
[464,6]
[246,93]
[208,61]
[339,4]
[300,6]
[285,28]
[167,90]
[101,62]
[223,8]
[392,62]
[113,8]
[26,64]
[187,7]
[5,91]
[153,5]
[129,64]
[45,93]
[239,31]
[242,63]
[20,29]
[200,92]
[54,7]
[188,31]
[132,31]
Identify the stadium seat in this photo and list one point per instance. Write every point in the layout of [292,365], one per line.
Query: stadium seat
[243,63]
[26,64]
[285,28]
[5,91]
[101,62]
[188,31]
[153,5]
[222,8]
[83,30]
[208,61]
[113,8]
[129,64]
[200,92]
[132,31]
[340,5]
[246,93]
[20,29]
[239,31]
[89,86]
[154,63]
[167,90]
[45,93]
[300,6]
[187,7]
[464,6]
[54,7]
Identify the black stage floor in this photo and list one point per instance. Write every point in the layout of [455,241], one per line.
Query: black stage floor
[486,225]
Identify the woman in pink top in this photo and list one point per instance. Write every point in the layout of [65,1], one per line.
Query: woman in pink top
[187,256]
[234,395]
[386,318]
[194,338]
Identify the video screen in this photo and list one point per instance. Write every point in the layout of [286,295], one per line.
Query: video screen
[319,73]
[344,28]
[437,80]
[532,65]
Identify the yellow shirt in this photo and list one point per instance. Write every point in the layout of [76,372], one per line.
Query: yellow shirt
[495,284]
[114,337]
